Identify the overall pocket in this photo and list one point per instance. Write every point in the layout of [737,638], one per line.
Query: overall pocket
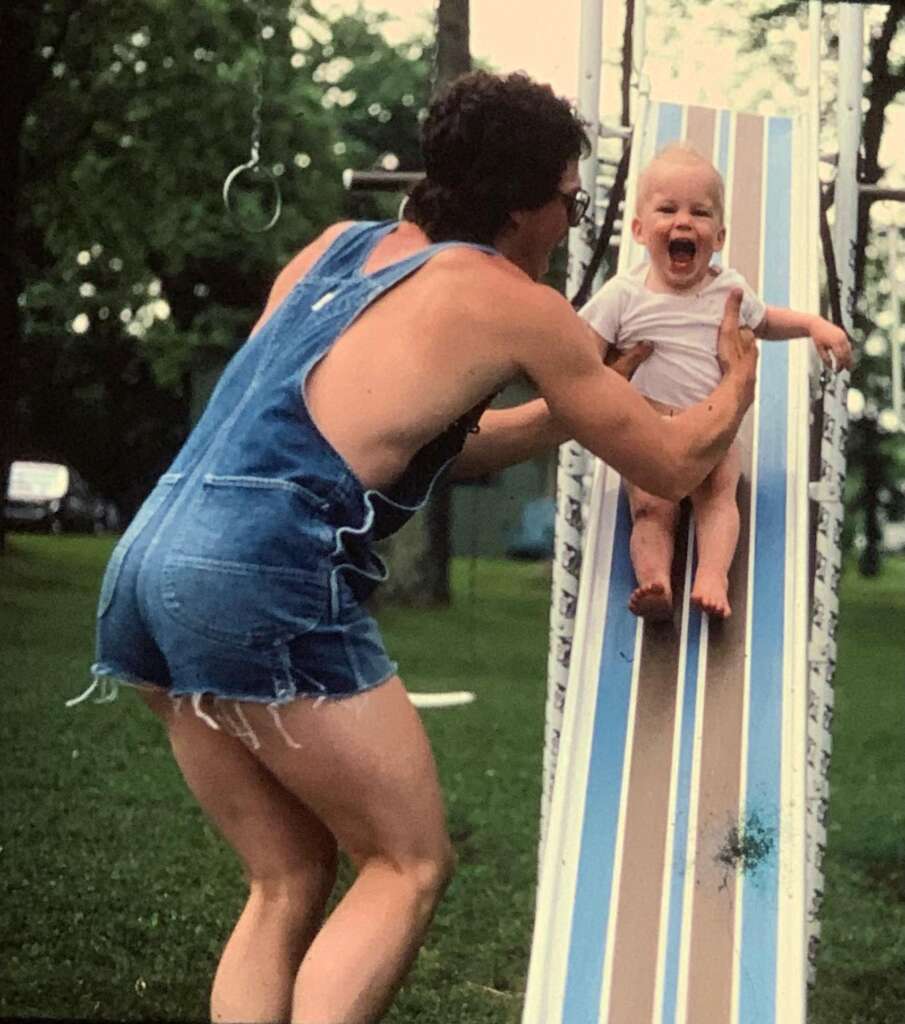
[254,520]
[238,603]
[142,517]
[248,561]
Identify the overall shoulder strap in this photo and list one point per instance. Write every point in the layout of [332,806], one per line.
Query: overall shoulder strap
[390,275]
[349,250]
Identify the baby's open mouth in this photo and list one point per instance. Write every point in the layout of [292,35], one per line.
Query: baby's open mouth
[682,250]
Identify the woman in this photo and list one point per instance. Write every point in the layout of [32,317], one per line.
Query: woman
[240,583]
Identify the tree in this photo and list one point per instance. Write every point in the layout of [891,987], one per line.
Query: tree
[20,79]
[876,457]
[136,282]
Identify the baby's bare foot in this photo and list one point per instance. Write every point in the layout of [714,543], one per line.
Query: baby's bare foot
[652,601]
[710,594]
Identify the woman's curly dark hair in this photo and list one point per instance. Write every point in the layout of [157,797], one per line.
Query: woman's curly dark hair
[491,144]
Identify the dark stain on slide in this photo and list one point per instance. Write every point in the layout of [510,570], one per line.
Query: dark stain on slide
[747,845]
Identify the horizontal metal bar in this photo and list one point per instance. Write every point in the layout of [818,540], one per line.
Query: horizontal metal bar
[380,181]
[877,192]
[614,131]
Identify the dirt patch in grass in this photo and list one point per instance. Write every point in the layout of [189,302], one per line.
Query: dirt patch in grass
[889,875]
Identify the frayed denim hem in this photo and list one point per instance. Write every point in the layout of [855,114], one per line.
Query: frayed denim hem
[107,681]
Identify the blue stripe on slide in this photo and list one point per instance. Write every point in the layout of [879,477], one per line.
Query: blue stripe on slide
[725,129]
[683,796]
[669,124]
[762,796]
[593,886]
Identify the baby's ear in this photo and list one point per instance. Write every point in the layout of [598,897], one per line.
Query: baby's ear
[637,234]
[720,239]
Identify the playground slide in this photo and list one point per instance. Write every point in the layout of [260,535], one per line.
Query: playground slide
[680,877]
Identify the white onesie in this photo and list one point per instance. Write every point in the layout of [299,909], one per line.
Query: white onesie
[683,367]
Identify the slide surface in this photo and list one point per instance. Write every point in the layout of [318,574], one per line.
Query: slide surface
[676,885]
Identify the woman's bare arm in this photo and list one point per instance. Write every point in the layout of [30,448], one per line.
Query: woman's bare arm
[605,414]
[509,436]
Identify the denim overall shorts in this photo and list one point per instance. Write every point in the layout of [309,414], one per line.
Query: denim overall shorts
[243,573]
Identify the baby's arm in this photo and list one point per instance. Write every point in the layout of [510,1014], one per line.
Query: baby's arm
[778,324]
[623,361]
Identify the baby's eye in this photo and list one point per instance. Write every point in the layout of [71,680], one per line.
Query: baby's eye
[666,208]
[701,212]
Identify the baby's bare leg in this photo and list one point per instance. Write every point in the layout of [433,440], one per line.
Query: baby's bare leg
[653,541]
[716,531]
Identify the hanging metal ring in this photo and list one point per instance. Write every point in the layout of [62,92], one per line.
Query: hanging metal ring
[252,167]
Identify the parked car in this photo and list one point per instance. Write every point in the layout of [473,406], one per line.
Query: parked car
[52,497]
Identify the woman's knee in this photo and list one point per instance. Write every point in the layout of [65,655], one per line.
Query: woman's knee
[295,889]
[426,873]
[429,877]
[440,869]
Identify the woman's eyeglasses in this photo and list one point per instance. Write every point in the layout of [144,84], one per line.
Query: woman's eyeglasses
[577,204]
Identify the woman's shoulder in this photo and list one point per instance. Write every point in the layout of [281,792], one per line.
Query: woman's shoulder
[299,265]
[307,257]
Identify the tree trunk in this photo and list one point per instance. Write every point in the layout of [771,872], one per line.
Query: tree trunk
[453,50]
[628,46]
[418,556]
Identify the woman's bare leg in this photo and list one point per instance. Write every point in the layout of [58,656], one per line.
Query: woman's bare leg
[652,545]
[366,770]
[288,855]
[716,532]
[358,769]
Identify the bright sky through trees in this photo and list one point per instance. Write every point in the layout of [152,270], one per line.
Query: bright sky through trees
[686,57]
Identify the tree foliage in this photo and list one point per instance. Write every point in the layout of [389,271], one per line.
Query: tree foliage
[135,278]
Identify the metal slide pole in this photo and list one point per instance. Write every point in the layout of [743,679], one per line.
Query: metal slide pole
[641,82]
[815,22]
[819,698]
[851,59]
[574,461]
[828,490]
[895,330]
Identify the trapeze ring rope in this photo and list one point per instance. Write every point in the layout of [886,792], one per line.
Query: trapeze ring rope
[253,165]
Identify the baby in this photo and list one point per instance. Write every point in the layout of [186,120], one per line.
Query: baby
[675,301]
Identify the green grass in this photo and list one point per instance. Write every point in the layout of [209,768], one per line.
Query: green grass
[118,896]
[862,962]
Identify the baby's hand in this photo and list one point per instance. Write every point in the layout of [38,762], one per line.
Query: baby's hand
[830,341]
[626,361]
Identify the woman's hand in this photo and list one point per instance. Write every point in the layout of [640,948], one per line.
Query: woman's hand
[736,347]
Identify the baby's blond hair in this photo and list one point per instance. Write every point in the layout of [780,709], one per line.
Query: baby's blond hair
[681,152]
